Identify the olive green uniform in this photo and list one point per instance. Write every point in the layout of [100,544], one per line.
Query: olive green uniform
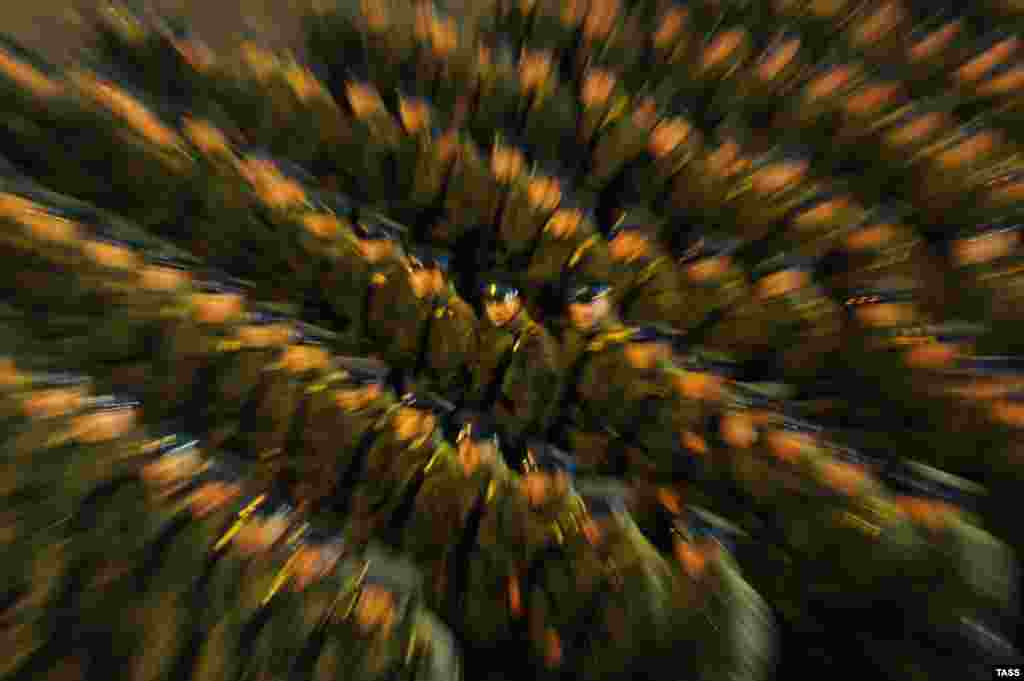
[516,372]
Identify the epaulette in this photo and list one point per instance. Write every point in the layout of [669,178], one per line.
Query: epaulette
[587,244]
[236,527]
[648,271]
[610,338]
[617,110]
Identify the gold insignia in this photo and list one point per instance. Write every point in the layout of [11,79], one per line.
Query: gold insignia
[378,279]
[243,516]
[281,578]
[851,520]
[228,346]
[583,248]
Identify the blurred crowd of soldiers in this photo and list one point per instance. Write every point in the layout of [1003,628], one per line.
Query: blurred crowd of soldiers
[639,329]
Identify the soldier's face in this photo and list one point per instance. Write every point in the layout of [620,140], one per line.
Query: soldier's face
[105,426]
[781,283]
[777,60]
[217,308]
[353,399]
[10,375]
[154,278]
[671,27]
[472,454]
[207,138]
[538,487]
[969,150]
[109,255]
[302,358]
[38,222]
[986,248]
[1005,83]
[788,445]
[693,557]
[870,237]
[269,336]
[322,225]
[738,430]
[375,610]
[886,314]
[564,222]
[695,385]
[935,42]
[313,563]
[438,280]
[777,176]
[878,24]
[376,251]
[597,87]
[51,403]
[261,535]
[722,47]
[646,356]
[829,83]
[168,470]
[501,312]
[211,496]
[422,281]
[708,269]
[931,355]
[627,246]
[507,163]
[916,130]
[1008,413]
[412,423]
[977,67]
[585,316]
[872,99]
[821,214]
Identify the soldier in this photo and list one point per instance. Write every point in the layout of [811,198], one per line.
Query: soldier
[228,383]
[448,337]
[884,244]
[764,84]
[773,185]
[377,136]
[624,137]
[424,162]
[525,517]
[720,55]
[985,258]
[136,515]
[530,204]
[734,632]
[151,158]
[702,188]
[712,283]
[298,601]
[242,569]
[370,633]
[269,415]
[966,608]
[471,193]
[645,280]
[578,613]
[446,513]
[198,323]
[516,371]
[399,308]
[358,274]
[338,431]
[589,311]
[804,325]
[673,145]
[410,444]
[546,110]
[965,158]
[569,247]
